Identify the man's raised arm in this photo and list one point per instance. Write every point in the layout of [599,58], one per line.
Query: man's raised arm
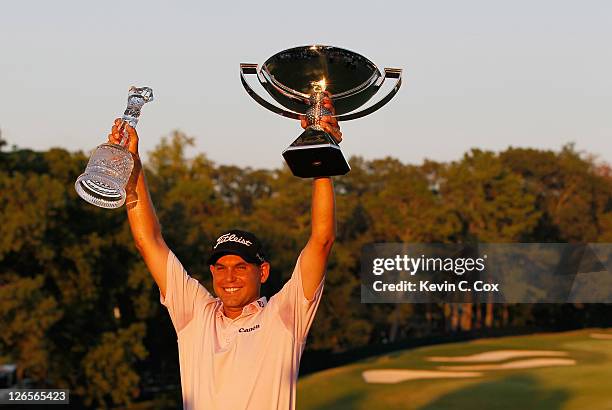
[322,235]
[141,214]
[323,214]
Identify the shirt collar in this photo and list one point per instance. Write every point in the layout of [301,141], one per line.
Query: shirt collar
[253,307]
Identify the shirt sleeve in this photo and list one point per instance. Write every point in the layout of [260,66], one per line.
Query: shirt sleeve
[184,294]
[295,310]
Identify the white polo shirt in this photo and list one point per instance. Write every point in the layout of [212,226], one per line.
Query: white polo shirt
[250,362]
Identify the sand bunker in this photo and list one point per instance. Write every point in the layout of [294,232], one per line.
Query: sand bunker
[517,364]
[399,375]
[601,336]
[536,359]
[496,356]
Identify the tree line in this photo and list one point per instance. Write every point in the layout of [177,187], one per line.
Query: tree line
[79,310]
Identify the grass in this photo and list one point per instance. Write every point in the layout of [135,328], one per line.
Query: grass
[587,385]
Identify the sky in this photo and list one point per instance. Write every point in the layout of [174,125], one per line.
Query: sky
[476,74]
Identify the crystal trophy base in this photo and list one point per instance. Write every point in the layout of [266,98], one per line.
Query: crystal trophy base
[110,166]
[103,182]
[315,154]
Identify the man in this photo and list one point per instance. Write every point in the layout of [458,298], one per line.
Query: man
[236,351]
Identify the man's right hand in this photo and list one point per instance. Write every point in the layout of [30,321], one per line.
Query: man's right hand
[116,135]
[131,144]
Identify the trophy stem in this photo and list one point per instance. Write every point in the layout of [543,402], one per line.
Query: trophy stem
[315,153]
[124,133]
[317,109]
[137,97]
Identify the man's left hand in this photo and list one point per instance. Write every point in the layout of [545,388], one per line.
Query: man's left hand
[328,123]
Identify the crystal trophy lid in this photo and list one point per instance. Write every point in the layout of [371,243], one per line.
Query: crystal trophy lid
[350,78]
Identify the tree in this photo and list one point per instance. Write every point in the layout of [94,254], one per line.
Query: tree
[108,366]
[493,204]
[26,314]
[3,142]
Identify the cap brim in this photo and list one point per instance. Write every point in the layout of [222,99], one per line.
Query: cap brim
[214,257]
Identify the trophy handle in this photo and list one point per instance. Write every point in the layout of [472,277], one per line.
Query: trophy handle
[389,73]
[249,68]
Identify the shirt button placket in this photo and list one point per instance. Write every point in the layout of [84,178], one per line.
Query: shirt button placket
[227,334]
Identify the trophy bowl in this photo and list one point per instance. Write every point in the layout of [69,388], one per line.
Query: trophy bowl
[298,79]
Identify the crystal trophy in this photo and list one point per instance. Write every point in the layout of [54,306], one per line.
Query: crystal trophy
[110,166]
[299,78]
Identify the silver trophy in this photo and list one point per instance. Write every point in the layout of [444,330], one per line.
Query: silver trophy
[298,79]
[110,166]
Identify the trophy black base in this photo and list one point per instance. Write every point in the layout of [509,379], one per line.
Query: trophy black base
[315,153]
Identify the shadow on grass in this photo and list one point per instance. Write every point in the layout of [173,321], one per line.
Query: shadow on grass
[348,401]
[514,392]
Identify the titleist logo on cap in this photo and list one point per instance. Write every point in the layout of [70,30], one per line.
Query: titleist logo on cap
[231,238]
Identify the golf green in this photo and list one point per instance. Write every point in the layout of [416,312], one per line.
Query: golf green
[585,385]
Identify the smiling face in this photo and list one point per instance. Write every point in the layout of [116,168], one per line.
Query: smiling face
[237,282]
